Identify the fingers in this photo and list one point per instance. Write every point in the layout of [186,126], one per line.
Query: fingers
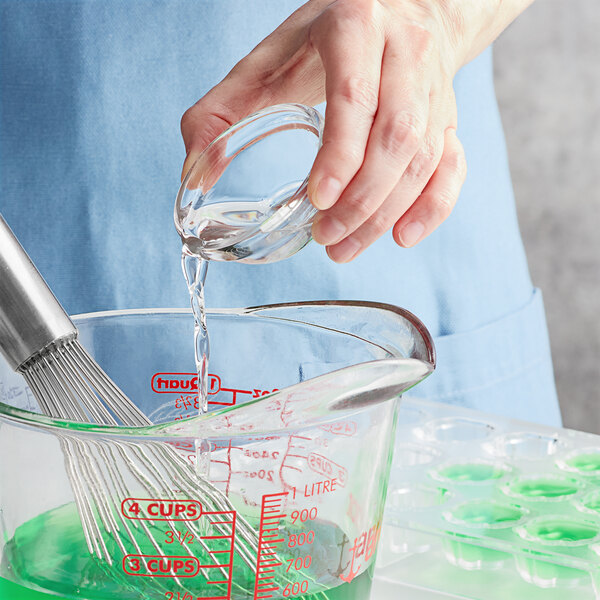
[198,129]
[282,68]
[390,156]
[438,198]
[422,216]
[396,136]
[352,79]
[220,108]
[412,181]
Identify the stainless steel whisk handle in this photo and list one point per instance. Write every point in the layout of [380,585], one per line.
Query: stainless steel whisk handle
[31,318]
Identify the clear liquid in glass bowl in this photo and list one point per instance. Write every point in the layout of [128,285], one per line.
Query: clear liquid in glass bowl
[245,198]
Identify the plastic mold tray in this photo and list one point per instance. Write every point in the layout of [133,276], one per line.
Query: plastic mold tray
[490,508]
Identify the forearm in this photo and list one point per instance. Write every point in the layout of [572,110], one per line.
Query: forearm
[482,21]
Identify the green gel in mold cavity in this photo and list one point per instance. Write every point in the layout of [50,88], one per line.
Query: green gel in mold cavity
[562,531]
[592,502]
[472,472]
[482,513]
[544,487]
[586,463]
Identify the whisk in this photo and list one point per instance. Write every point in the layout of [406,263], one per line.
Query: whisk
[39,340]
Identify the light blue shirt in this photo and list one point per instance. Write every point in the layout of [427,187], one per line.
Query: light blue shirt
[91,98]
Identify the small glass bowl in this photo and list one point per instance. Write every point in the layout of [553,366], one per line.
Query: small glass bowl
[245,198]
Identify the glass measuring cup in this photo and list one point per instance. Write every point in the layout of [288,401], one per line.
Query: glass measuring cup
[245,198]
[304,468]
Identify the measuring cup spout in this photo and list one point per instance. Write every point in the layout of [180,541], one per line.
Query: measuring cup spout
[400,348]
[330,397]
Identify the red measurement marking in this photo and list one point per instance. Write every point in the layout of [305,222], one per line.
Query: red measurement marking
[184,445]
[354,508]
[221,466]
[175,383]
[260,393]
[262,454]
[271,506]
[223,522]
[363,548]
[347,428]
[260,474]
[156,509]
[234,396]
[320,487]
[295,455]
[325,466]
[183,537]
[178,596]
[155,565]
[186,402]
[220,525]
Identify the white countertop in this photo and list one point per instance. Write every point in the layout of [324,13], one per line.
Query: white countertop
[383,590]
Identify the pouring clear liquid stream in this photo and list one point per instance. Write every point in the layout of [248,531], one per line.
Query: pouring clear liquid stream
[194,270]
[252,232]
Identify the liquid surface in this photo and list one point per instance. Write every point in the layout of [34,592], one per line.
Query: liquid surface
[592,502]
[49,552]
[253,231]
[544,488]
[586,463]
[487,513]
[561,531]
[471,472]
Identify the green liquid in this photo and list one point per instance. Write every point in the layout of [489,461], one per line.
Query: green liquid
[585,463]
[49,553]
[562,531]
[472,472]
[541,570]
[592,502]
[544,488]
[480,514]
[12,591]
[359,589]
[487,513]
[471,556]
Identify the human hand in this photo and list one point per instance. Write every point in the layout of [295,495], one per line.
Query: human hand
[390,156]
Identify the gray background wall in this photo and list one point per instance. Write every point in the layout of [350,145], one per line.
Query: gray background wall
[547,71]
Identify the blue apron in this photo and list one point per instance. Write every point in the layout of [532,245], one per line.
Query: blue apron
[91,98]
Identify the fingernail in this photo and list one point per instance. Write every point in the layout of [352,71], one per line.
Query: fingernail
[327,230]
[411,233]
[344,251]
[327,192]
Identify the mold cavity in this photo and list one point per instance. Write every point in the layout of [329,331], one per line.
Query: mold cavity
[457,430]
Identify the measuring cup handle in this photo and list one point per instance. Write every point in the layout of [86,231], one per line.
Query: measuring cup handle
[31,318]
